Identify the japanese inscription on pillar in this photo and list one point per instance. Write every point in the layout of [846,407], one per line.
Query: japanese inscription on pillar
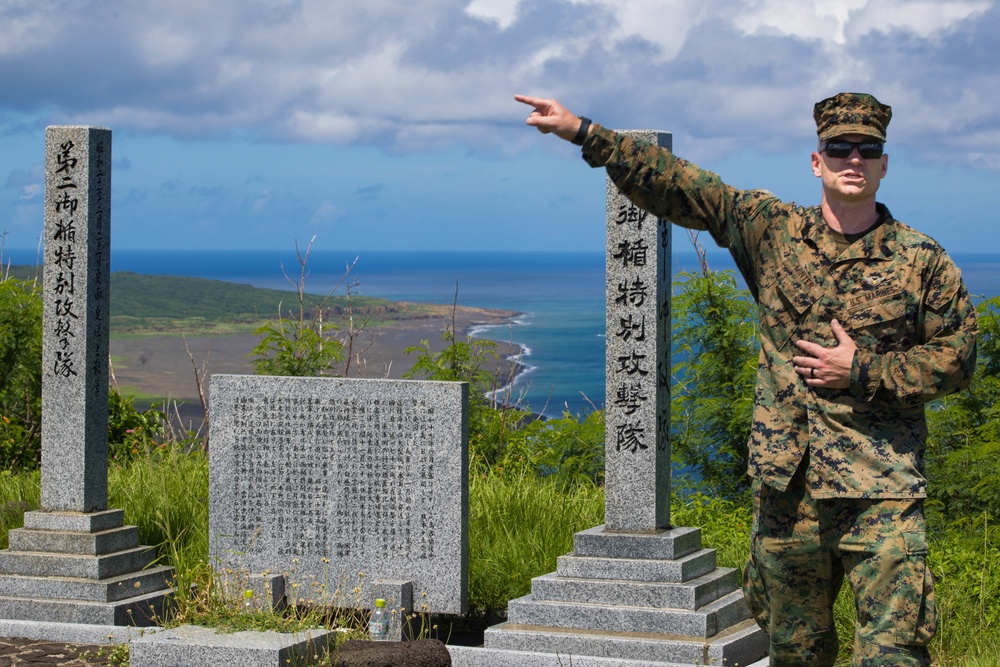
[336,477]
[77,265]
[637,405]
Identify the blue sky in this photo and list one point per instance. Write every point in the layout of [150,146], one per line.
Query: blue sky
[247,124]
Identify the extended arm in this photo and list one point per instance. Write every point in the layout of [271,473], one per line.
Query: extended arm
[655,180]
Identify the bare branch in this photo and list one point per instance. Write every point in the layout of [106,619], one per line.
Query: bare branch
[199,379]
[699,250]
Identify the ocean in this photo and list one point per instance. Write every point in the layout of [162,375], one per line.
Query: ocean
[560,296]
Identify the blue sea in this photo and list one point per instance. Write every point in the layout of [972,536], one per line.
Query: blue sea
[560,297]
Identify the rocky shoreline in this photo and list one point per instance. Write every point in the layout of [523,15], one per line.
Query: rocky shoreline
[163,368]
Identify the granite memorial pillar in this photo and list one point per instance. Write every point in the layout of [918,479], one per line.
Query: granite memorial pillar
[637,403]
[75,321]
[74,561]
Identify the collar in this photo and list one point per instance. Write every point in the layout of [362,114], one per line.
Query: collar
[879,244]
[876,245]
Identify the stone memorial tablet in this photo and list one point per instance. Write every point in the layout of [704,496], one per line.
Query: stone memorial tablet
[322,479]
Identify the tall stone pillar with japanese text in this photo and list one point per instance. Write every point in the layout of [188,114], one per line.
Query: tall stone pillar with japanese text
[637,404]
[76,301]
[75,560]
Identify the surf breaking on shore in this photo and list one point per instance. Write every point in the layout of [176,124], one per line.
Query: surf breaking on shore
[159,369]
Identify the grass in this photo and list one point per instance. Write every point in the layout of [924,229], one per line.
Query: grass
[19,493]
[518,526]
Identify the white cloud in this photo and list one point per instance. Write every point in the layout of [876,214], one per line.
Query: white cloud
[409,76]
[502,12]
[327,211]
[29,192]
[926,19]
[260,203]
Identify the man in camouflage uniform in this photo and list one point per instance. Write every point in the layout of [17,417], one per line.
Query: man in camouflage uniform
[863,320]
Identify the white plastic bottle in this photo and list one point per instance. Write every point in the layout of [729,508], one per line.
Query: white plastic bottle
[378,627]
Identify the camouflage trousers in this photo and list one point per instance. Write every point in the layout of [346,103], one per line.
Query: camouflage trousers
[801,550]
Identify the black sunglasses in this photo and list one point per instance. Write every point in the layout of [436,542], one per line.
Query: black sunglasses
[869,150]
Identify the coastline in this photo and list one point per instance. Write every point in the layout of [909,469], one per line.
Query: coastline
[161,369]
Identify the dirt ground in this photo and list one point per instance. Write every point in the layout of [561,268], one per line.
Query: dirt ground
[16,651]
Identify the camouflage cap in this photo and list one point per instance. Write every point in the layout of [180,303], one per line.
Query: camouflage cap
[851,113]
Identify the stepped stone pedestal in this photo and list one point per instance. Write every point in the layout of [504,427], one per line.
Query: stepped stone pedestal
[70,567]
[626,599]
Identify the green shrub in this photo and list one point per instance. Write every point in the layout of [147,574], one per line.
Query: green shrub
[131,432]
[20,374]
[294,348]
[569,449]
[714,334]
[963,445]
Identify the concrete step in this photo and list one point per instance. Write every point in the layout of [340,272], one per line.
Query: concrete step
[690,595]
[690,566]
[191,646]
[112,589]
[74,542]
[85,522]
[467,656]
[738,645]
[141,610]
[72,633]
[44,564]
[666,544]
[705,622]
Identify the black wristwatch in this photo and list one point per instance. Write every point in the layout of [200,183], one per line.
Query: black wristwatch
[581,134]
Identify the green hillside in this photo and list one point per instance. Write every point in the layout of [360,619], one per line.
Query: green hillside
[143,304]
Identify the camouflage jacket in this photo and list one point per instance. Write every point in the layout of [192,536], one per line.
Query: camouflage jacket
[895,291]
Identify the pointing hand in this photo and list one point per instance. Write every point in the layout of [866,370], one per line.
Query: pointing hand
[550,116]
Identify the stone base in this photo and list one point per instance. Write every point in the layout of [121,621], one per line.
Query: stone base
[627,599]
[86,568]
[192,646]
[740,644]
[398,596]
[73,633]
[465,656]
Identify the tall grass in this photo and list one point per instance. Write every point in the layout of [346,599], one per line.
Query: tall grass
[725,526]
[164,492]
[19,493]
[518,525]
[966,561]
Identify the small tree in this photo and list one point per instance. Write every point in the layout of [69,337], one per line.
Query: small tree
[963,444]
[293,348]
[491,423]
[715,338]
[301,347]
